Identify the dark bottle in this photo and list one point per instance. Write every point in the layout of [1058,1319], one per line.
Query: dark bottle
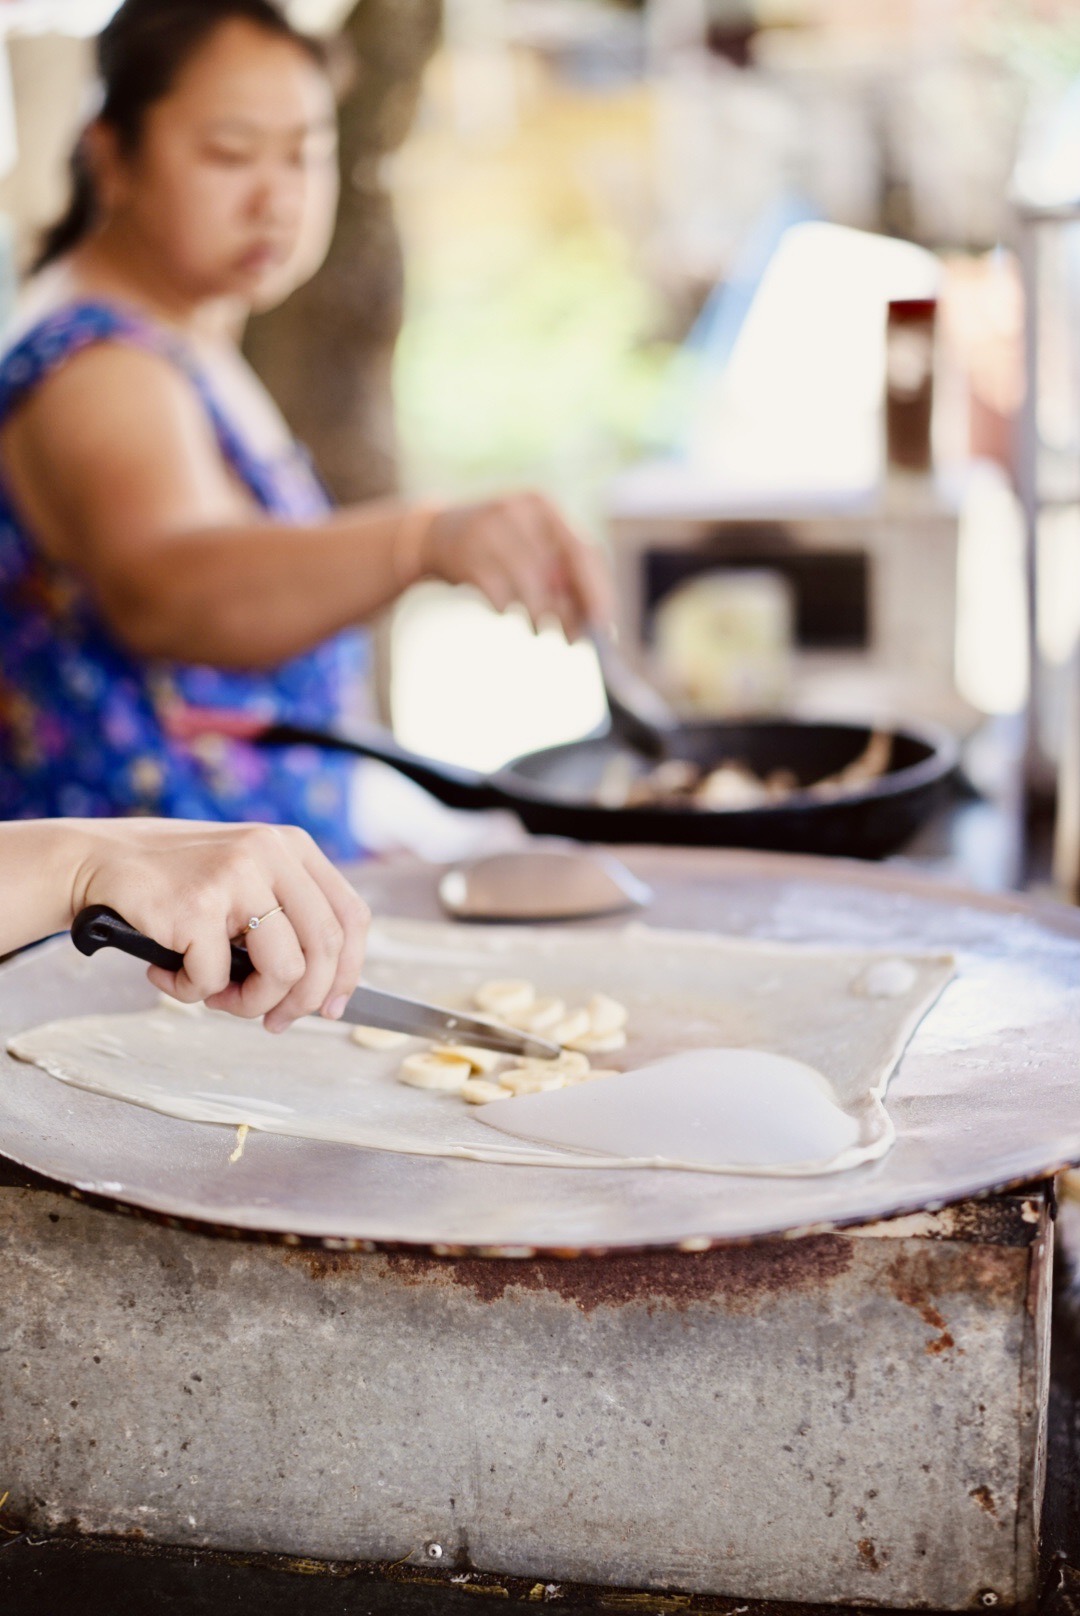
[909,383]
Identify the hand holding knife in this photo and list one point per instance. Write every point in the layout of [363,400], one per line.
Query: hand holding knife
[101,927]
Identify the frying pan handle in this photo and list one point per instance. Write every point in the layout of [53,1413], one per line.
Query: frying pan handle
[101,927]
[451,785]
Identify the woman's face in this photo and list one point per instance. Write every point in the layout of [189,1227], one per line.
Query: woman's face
[232,190]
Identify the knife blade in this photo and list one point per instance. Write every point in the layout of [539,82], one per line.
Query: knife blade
[98,926]
[374,1007]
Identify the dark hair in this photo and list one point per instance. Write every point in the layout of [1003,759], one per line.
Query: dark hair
[140,53]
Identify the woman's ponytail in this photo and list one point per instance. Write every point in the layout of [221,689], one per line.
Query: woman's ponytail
[79,217]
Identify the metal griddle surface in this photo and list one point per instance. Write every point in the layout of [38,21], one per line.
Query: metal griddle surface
[985,1097]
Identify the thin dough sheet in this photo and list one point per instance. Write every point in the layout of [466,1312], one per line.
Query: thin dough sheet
[847,1013]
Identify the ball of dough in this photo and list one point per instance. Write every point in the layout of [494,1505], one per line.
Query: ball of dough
[886,979]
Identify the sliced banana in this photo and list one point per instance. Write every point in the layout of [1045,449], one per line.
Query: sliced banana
[571,1063]
[505,998]
[523,1082]
[575,1025]
[480,1060]
[479,1091]
[606,1015]
[378,1038]
[464,1069]
[593,1072]
[604,1045]
[448,1073]
[540,1016]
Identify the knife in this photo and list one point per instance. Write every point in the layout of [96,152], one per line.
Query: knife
[101,927]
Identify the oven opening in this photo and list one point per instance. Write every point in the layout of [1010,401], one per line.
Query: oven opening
[830,588]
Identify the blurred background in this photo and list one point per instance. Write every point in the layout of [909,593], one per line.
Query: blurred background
[778,297]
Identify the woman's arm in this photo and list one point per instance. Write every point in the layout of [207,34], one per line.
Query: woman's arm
[114,466]
[192,887]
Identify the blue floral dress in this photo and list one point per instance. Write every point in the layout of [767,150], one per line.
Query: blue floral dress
[87,729]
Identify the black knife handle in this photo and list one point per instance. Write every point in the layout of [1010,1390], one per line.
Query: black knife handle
[101,927]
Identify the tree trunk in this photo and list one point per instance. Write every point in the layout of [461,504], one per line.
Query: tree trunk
[327,353]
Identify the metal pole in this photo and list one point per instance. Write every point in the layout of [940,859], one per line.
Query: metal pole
[1032,219]
[1027,478]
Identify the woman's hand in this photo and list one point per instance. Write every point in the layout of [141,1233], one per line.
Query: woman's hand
[519,548]
[193,887]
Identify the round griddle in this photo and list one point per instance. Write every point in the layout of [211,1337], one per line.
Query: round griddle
[554,792]
[985,1097]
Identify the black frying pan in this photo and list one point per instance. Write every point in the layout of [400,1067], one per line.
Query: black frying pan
[551,791]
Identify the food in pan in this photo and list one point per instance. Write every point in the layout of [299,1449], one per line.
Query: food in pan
[733,785]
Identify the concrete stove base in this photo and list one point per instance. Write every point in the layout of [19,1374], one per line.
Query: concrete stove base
[853,1417]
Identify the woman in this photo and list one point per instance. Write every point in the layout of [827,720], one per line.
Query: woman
[170,572]
[192,887]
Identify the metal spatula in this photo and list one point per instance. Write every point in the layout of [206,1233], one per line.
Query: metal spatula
[639,714]
[101,927]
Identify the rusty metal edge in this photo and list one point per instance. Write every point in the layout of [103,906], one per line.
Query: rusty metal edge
[1032,1413]
[27,1178]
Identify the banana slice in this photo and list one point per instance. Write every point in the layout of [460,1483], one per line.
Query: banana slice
[606,1015]
[505,998]
[605,1045]
[378,1038]
[479,1091]
[575,1025]
[448,1073]
[540,1016]
[595,1071]
[571,1063]
[522,1082]
[480,1060]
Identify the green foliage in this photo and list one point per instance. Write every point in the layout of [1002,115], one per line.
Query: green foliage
[536,370]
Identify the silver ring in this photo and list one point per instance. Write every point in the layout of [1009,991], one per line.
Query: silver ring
[256,920]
